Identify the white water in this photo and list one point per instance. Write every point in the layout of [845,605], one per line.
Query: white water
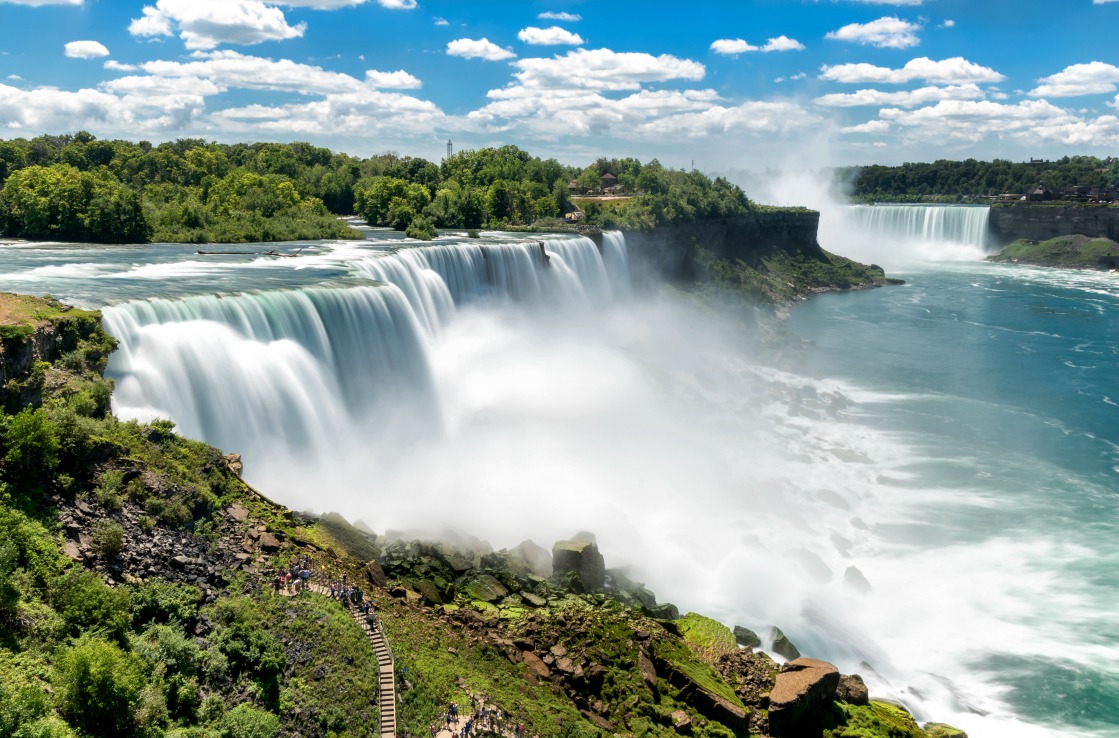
[481,387]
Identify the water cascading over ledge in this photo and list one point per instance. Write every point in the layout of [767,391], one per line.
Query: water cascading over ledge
[966,225]
[285,372]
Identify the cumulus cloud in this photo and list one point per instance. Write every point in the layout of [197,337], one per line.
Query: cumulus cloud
[566,17]
[904,99]
[397,4]
[953,71]
[50,109]
[752,117]
[205,24]
[233,69]
[1079,79]
[398,80]
[885,33]
[871,126]
[361,113]
[948,23]
[482,48]
[549,36]
[603,69]
[738,46]
[1030,122]
[117,66]
[440,21]
[86,50]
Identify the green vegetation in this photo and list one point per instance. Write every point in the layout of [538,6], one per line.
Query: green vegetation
[81,188]
[708,638]
[963,181]
[876,720]
[1064,252]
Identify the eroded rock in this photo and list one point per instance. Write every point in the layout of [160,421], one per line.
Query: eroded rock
[801,695]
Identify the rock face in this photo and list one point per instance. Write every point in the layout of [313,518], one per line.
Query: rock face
[582,559]
[800,696]
[535,556]
[782,646]
[1042,222]
[746,637]
[852,690]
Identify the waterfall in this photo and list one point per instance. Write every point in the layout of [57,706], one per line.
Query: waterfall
[898,236]
[285,373]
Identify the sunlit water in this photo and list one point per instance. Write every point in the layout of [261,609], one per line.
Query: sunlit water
[951,441]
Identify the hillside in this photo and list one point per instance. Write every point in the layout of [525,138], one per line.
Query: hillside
[1064,252]
[139,598]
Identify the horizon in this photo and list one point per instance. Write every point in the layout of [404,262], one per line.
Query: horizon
[722,87]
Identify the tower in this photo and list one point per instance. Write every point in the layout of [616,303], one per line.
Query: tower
[449,148]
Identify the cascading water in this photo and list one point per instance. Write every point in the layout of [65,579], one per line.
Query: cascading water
[930,494]
[902,235]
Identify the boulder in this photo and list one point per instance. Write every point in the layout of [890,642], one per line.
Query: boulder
[941,730]
[782,646]
[486,588]
[233,461]
[535,665]
[800,697]
[376,574]
[581,558]
[537,557]
[648,671]
[854,579]
[852,690]
[269,543]
[681,722]
[746,637]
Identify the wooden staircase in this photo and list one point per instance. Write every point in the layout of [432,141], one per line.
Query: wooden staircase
[386,679]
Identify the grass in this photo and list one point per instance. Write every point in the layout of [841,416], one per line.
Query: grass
[876,720]
[708,638]
[1066,252]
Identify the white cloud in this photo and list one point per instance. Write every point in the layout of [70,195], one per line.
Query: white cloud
[397,4]
[439,21]
[14,78]
[1030,122]
[233,69]
[738,46]
[398,80]
[566,17]
[549,36]
[603,69]
[904,99]
[205,24]
[756,117]
[783,43]
[948,23]
[86,50]
[482,48]
[117,66]
[40,3]
[885,33]
[1079,79]
[871,126]
[1103,2]
[363,113]
[731,46]
[956,70]
[49,109]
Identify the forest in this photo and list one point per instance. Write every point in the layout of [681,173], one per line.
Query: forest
[80,188]
[971,180]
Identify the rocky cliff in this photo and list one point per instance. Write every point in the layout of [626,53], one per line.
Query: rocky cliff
[1041,222]
[671,252]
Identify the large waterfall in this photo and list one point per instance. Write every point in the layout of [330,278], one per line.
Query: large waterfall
[897,236]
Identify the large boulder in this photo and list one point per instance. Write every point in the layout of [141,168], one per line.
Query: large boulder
[486,588]
[746,637]
[852,689]
[804,690]
[580,557]
[535,556]
[375,574]
[782,646]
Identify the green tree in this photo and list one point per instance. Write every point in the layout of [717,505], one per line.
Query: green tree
[98,686]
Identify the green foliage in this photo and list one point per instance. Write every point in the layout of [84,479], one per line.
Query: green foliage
[107,538]
[87,604]
[1065,252]
[390,201]
[422,228]
[246,721]
[954,181]
[876,720]
[31,447]
[708,638]
[99,686]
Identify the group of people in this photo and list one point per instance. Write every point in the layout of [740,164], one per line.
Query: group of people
[483,720]
[295,577]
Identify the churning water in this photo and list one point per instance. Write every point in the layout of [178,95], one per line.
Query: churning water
[926,496]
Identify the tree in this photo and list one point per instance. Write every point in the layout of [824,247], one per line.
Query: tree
[99,686]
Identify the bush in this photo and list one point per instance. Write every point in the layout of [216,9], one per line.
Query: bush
[50,726]
[422,228]
[86,604]
[31,444]
[107,538]
[246,721]
[99,686]
[161,601]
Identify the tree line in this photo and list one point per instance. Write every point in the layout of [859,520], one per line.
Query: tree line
[972,179]
[80,188]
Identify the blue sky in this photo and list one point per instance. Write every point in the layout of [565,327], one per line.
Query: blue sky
[728,84]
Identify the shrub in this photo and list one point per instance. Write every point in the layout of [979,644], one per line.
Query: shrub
[50,726]
[421,227]
[86,603]
[31,444]
[99,686]
[246,721]
[107,538]
[161,601]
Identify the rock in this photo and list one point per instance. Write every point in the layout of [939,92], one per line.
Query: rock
[238,512]
[486,588]
[854,579]
[681,722]
[852,690]
[398,592]
[581,558]
[70,548]
[181,562]
[648,671]
[800,697]
[269,542]
[233,461]
[565,665]
[782,646]
[535,665]
[427,591]
[376,574]
[941,730]
[534,600]
[746,637]
[558,651]
[598,720]
[537,557]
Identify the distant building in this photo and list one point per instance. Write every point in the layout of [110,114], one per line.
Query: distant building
[1041,193]
[607,181]
[1038,162]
